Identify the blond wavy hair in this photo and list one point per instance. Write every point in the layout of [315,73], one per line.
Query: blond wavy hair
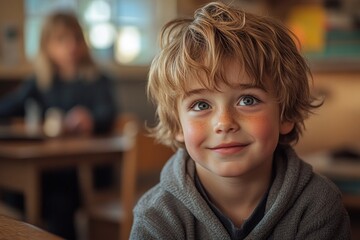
[44,67]
[200,46]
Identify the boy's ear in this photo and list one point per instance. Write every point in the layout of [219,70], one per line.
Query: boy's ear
[286,127]
[179,137]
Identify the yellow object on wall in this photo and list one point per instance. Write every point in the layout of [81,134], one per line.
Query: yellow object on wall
[308,23]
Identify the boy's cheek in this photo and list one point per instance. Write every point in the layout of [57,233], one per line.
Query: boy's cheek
[262,128]
[191,131]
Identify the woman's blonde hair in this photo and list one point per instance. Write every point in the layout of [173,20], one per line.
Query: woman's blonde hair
[44,68]
[201,46]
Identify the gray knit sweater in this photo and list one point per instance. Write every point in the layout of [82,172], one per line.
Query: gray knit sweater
[300,205]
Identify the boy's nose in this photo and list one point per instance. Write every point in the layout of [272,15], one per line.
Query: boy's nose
[226,122]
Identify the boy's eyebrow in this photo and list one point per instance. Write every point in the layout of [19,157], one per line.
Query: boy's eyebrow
[194,92]
[239,86]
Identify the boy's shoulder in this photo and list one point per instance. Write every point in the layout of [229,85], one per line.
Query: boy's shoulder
[159,212]
[300,181]
[303,198]
[323,190]
[152,199]
[155,216]
[175,197]
[324,182]
[163,198]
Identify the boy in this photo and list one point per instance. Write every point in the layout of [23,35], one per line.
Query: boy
[232,93]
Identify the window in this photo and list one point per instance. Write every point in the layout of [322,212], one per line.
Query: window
[125,31]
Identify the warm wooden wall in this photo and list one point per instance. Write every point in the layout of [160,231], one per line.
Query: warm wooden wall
[12,15]
[337,123]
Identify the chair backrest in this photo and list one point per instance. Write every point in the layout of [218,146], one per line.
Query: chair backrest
[150,155]
[151,158]
[139,169]
[128,125]
[144,171]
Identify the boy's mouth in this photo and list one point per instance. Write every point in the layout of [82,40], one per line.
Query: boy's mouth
[229,148]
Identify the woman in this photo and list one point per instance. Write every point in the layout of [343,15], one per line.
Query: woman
[67,79]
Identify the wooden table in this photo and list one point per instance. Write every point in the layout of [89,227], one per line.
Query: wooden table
[17,230]
[21,163]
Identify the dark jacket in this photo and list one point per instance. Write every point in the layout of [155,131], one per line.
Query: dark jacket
[96,96]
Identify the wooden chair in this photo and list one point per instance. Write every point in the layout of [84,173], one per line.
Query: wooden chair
[107,214]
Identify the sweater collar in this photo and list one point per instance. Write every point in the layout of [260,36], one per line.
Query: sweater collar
[292,176]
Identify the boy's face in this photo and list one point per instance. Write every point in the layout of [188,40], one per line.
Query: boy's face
[232,132]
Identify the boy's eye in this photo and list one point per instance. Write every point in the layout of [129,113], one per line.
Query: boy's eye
[199,106]
[248,100]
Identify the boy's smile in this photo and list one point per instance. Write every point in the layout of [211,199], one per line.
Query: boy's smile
[228,148]
[232,131]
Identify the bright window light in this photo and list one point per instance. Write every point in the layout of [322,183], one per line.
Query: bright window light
[128,44]
[98,11]
[102,35]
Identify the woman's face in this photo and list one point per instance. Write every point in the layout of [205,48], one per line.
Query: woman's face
[63,47]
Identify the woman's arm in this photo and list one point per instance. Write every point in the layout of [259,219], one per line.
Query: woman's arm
[13,104]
